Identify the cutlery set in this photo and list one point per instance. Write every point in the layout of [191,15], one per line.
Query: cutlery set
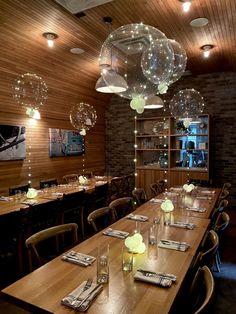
[116,233]
[78,258]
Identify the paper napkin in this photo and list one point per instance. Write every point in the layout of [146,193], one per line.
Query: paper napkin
[116,233]
[137,217]
[153,279]
[78,258]
[173,245]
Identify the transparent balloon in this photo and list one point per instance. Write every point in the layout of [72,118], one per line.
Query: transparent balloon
[180,59]
[157,61]
[122,52]
[83,116]
[29,90]
[186,103]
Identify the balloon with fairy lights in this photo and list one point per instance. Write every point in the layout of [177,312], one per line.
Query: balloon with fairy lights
[83,117]
[158,62]
[120,62]
[30,91]
[186,103]
[180,60]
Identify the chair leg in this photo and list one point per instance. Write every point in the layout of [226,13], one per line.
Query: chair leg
[216,263]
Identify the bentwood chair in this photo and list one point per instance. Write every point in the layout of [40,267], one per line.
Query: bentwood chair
[14,189]
[156,189]
[47,183]
[69,178]
[116,188]
[219,209]
[201,291]
[101,195]
[207,252]
[101,218]
[122,206]
[223,196]
[37,255]
[128,185]
[221,224]
[139,196]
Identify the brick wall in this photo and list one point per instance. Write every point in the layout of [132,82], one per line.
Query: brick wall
[219,93]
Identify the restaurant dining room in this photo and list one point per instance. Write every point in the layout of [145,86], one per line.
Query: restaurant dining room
[117,156]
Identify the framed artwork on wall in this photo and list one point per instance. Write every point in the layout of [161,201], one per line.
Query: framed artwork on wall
[65,143]
[12,142]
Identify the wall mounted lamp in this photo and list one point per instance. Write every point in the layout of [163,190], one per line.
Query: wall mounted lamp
[50,38]
[206,50]
[186,4]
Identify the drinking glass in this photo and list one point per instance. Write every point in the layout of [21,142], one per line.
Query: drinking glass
[152,234]
[127,259]
[103,263]
[156,215]
[137,227]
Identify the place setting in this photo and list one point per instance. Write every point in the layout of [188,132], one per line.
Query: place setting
[173,245]
[161,279]
[137,217]
[115,233]
[197,209]
[78,258]
[81,298]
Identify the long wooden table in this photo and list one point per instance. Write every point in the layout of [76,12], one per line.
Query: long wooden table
[43,289]
[15,204]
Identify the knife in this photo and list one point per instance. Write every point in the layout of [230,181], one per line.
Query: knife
[75,260]
[157,274]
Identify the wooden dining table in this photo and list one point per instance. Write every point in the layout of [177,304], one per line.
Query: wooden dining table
[42,290]
[15,203]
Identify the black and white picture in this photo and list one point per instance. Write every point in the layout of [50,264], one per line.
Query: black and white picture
[12,142]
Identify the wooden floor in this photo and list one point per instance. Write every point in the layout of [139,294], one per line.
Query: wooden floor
[225,292]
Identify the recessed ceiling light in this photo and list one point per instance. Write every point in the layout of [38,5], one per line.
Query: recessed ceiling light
[199,22]
[76,51]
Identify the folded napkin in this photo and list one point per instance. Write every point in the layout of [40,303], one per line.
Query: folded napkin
[156,200]
[207,192]
[5,198]
[173,245]
[58,194]
[197,209]
[149,273]
[78,258]
[137,217]
[204,197]
[116,233]
[184,225]
[99,177]
[171,194]
[154,279]
[84,298]
[176,189]
[29,202]
[100,182]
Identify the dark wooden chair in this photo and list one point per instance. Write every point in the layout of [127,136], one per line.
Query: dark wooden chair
[122,206]
[47,183]
[34,219]
[221,224]
[207,252]
[128,185]
[139,196]
[200,182]
[101,218]
[14,189]
[37,255]
[200,292]
[101,195]
[87,174]
[156,189]
[116,188]
[69,178]
[72,209]
[223,204]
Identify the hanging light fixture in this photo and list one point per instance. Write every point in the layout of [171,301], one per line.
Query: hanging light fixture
[186,4]
[206,50]
[117,83]
[33,113]
[153,102]
[50,38]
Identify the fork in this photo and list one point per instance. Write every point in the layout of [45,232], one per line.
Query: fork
[86,287]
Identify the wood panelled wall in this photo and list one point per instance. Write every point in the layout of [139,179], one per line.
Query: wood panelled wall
[23,49]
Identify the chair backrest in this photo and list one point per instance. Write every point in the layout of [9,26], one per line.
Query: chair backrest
[101,218]
[116,188]
[128,184]
[222,221]
[201,182]
[223,196]
[47,183]
[220,208]
[140,196]
[122,206]
[161,185]
[87,174]
[101,195]
[14,189]
[226,186]
[33,241]
[208,250]
[73,177]
[156,189]
[201,291]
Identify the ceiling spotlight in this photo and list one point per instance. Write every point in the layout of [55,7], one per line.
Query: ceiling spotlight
[206,50]
[50,38]
[186,4]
